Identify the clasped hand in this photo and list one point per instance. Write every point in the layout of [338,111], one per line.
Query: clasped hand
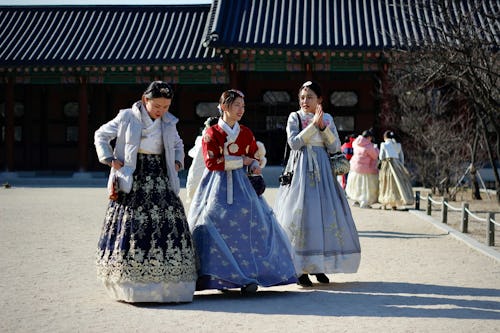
[318,118]
[116,164]
[256,170]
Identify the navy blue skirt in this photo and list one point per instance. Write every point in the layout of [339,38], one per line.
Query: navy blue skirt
[145,237]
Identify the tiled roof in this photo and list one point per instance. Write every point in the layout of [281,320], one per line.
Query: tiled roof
[191,34]
[337,24]
[94,35]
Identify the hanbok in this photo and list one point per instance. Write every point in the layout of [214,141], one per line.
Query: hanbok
[394,179]
[145,251]
[362,184]
[238,240]
[313,209]
[195,170]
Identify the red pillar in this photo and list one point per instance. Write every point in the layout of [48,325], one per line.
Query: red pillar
[309,73]
[83,125]
[9,126]
[231,70]
[233,76]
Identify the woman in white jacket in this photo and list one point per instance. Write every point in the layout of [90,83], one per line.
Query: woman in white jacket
[145,251]
[394,180]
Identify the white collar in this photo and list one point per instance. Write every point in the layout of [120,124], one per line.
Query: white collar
[147,121]
[232,133]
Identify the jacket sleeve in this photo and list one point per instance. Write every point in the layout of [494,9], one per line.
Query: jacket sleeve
[381,152]
[103,137]
[253,149]
[401,155]
[331,136]
[296,138]
[373,152]
[179,148]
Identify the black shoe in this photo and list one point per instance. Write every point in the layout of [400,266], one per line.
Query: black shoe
[249,288]
[321,277]
[304,281]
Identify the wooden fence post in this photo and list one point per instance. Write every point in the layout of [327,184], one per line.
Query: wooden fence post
[490,236]
[465,217]
[417,200]
[429,204]
[444,211]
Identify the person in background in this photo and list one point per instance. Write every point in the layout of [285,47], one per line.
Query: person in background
[347,150]
[198,165]
[238,242]
[362,184]
[145,251]
[313,208]
[394,179]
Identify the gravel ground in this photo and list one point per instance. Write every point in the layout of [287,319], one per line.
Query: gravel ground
[414,277]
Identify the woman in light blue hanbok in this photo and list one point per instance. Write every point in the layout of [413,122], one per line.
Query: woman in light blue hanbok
[238,241]
[313,208]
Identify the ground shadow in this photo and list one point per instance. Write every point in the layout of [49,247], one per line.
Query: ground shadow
[360,299]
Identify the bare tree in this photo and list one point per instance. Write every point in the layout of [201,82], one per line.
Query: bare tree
[435,136]
[457,55]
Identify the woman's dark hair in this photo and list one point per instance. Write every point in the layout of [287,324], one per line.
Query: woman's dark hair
[389,134]
[229,96]
[348,138]
[313,86]
[157,89]
[367,133]
[211,121]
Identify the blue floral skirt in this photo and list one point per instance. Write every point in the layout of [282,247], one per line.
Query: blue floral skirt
[237,238]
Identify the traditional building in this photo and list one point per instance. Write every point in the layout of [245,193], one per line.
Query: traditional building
[65,70]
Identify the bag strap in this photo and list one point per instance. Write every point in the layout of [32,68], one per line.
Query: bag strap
[287,150]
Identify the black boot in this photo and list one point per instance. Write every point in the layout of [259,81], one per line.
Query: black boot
[249,288]
[304,281]
[321,277]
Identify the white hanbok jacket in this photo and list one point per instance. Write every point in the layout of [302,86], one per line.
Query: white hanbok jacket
[126,127]
[390,148]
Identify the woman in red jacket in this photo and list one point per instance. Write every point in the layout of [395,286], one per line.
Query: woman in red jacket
[238,241]
[347,150]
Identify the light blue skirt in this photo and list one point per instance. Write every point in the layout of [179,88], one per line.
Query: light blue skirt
[315,214]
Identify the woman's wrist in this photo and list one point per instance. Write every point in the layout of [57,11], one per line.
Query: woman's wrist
[109,161]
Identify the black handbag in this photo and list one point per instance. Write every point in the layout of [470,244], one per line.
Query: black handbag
[258,183]
[285,177]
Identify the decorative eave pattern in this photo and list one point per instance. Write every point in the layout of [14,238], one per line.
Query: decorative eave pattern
[54,36]
[336,25]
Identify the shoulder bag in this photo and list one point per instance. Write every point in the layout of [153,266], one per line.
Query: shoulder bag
[339,163]
[285,177]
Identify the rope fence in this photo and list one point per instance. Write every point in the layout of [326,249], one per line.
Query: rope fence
[465,215]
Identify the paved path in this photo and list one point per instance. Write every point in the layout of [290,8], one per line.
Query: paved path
[413,277]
